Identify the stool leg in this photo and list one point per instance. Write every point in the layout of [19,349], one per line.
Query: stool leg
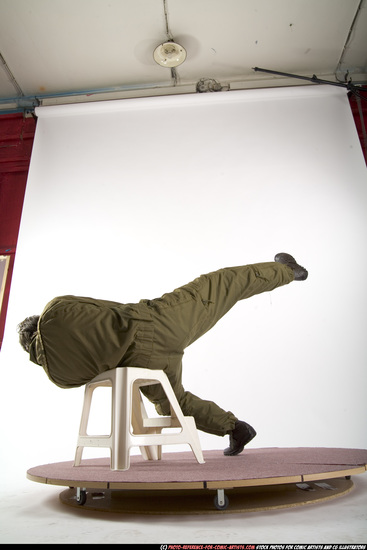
[121,421]
[151,452]
[88,393]
[78,455]
[187,422]
[194,439]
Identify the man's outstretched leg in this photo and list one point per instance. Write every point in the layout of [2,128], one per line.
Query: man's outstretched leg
[243,433]
[184,315]
[220,290]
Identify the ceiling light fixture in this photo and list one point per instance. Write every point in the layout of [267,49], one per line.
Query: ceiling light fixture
[169,54]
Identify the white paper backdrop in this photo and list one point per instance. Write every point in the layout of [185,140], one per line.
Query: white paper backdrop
[130,199]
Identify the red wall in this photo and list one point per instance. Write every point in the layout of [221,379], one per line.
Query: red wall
[16,140]
[359,110]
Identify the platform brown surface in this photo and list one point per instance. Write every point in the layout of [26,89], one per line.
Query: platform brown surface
[181,467]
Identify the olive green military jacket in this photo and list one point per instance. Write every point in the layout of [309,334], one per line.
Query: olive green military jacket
[79,337]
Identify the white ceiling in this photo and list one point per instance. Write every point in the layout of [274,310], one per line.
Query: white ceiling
[64,51]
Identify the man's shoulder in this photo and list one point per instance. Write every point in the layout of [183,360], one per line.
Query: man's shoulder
[60,301]
[71,303]
[71,299]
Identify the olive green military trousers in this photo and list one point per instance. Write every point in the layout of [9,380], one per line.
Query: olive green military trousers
[184,315]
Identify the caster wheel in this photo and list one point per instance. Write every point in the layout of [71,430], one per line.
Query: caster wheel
[223,505]
[82,498]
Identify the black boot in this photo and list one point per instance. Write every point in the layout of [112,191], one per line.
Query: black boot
[239,437]
[300,273]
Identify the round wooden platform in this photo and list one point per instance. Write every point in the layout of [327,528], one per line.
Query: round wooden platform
[257,479]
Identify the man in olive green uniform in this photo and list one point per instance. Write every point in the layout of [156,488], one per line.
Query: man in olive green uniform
[76,338]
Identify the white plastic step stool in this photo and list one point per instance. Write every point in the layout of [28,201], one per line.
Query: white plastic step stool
[130,425]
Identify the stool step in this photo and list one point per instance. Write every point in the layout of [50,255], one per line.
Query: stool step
[94,441]
[164,422]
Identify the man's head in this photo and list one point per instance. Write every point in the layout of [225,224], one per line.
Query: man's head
[27,330]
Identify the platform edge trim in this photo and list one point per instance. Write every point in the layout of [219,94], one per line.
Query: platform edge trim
[257,482]
[147,485]
[336,473]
